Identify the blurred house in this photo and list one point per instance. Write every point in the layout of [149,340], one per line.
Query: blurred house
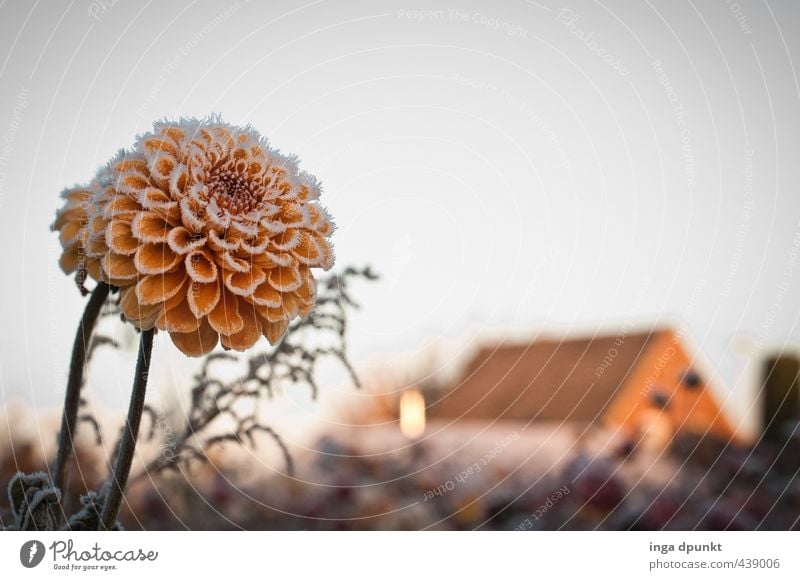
[643,385]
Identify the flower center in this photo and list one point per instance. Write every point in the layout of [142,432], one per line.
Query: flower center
[233,191]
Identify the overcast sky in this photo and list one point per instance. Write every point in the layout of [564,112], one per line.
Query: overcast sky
[530,165]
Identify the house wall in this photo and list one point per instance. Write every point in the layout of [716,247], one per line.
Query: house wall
[659,372]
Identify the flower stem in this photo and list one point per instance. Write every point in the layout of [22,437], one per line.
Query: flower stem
[127,445]
[77,367]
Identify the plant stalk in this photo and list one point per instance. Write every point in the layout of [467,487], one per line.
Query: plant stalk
[127,445]
[77,368]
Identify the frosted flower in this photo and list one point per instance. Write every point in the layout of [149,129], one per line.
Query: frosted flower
[210,235]
[74,223]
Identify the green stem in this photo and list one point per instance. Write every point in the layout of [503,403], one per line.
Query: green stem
[127,445]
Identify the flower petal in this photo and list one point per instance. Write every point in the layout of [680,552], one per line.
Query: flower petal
[132,182]
[231,262]
[173,132]
[308,290]
[119,238]
[287,240]
[178,180]
[131,162]
[247,228]
[308,250]
[96,246]
[327,253]
[244,283]
[219,244]
[65,216]
[294,215]
[225,317]
[250,332]
[133,310]
[200,266]
[160,287]
[97,226]
[192,214]
[155,198]
[285,279]
[197,343]
[266,295]
[150,227]
[119,267]
[154,145]
[70,259]
[94,269]
[155,258]
[161,167]
[121,206]
[290,305]
[203,298]
[255,245]
[178,318]
[274,331]
[273,314]
[216,217]
[273,226]
[182,240]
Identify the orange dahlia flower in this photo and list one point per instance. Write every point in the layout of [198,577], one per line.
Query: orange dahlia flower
[209,234]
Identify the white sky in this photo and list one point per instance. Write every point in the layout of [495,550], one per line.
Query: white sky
[517,166]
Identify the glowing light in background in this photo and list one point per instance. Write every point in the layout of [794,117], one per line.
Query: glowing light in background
[412,414]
